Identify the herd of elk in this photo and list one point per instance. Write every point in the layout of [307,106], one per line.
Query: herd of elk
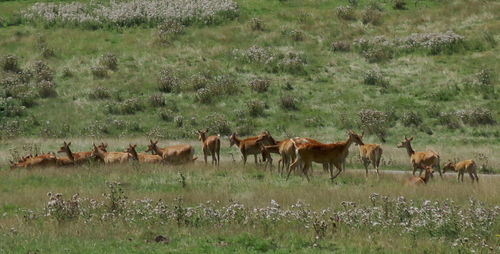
[294,152]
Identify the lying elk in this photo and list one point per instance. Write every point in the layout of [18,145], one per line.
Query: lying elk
[331,154]
[419,180]
[210,144]
[250,146]
[370,153]
[173,154]
[109,157]
[462,166]
[142,157]
[43,160]
[421,159]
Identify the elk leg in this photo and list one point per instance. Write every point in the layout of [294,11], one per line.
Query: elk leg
[414,169]
[339,167]
[366,163]
[214,160]
[290,168]
[244,159]
[255,156]
[458,179]
[471,177]
[477,178]
[306,168]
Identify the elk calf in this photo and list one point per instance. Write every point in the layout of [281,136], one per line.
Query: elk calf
[250,145]
[210,145]
[462,166]
[370,153]
[419,180]
[142,157]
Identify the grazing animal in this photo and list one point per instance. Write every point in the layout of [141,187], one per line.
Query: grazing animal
[370,153]
[462,166]
[250,145]
[110,157]
[210,145]
[173,154]
[419,180]
[142,157]
[331,154]
[421,159]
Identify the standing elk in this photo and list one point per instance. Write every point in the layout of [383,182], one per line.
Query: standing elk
[210,145]
[142,157]
[462,166]
[173,154]
[421,159]
[334,154]
[419,180]
[110,157]
[250,146]
[370,153]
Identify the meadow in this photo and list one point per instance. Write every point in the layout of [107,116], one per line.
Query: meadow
[129,71]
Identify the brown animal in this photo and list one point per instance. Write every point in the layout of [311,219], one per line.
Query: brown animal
[462,166]
[173,154]
[421,159]
[250,146]
[110,157]
[331,154]
[288,155]
[43,160]
[419,180]
[210,145]
[266,155]
[142,157]
[370,153]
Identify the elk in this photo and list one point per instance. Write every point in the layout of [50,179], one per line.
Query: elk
[266,155]
[419,180]
[421,159]
[370,153]
[142,157]
[287,151]
[249,145]
[76,158]
[43,160]
[210,145]
[462,166]
[109,157]
[334,154]
[173,154]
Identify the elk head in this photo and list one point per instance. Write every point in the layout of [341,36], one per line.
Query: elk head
[405,143]
[265,139]
[357,139]
[232,139]
[152,146]
[448,166]
[202,134]
[64,147]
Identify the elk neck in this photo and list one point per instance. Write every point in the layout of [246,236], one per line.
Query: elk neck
[69,153]
[237,141]
[409,150]
[157,150]
[134,154]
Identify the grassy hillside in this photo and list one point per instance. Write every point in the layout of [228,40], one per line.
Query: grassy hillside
[312,68]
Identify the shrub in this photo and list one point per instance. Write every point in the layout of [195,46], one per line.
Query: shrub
[168,30]
[178,120]
[157,100]
[292,62]
[255,107]
[225,85]
[47,89]
[203,95]
[339,46]
[411,118]
[167,80]
[256,24]
[377,54]
[99,93]
[297,35]
[450,120]
[47,52]
[260,85]
[479,116]
[371,17]
[374,122]
[167,115]
[288,102]
[483,78]
[246,126]
[345,12]
[375,78]
[353,3]
[42,71]
[67,73]
[27,99]
[433,110]
[10,63]
[254,54]
[130,106]
[109,61]
[399,5]
[199,81]
[99,71]
[218,123]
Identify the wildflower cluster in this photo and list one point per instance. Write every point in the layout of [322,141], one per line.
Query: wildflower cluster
[375,122]
[473,117]
[464,223]
[131,13]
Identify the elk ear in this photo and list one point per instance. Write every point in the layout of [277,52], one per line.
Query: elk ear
[410,139]
[151,141]
[69,143]
[135,145]
[206,130]
[362,133]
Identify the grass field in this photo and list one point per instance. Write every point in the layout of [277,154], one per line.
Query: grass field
[87,72]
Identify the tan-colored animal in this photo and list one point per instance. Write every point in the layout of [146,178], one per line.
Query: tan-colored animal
[419,180]
[43,160]
[266,155]
[142,157]
[77,158]
[110,157]
[210,145]
[421,159]
[288,155]
[173,154]
[250,146]
[370,153]
[334,154]
[462,166]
